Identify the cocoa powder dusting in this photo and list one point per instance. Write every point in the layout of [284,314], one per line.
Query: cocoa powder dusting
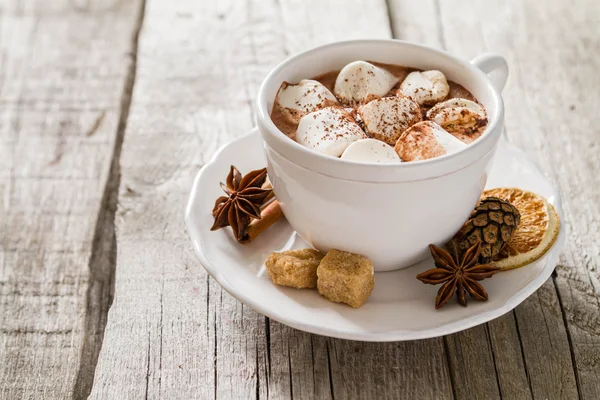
[400,72]
[281,117]
[418,143]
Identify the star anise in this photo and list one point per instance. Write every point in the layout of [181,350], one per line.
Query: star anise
[459,274]
[244,198]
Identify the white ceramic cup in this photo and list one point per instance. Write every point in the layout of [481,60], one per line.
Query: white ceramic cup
[388,213]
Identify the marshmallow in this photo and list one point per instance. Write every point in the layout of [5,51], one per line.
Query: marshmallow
[371,150]
[304,97]
[329,131]
[463,118]
[427,87]
[426,140]
[360,81]
[386,118]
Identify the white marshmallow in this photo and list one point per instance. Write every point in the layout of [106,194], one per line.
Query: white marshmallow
[371,150]
[427,87]
[386,118]
[329,130]
[446,140]
[463,118]
[426,140]
[360,79]
[304,97]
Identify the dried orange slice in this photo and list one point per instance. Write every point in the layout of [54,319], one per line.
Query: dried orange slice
[537,231]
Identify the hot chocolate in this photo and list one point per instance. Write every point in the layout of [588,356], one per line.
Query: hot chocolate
[414,114]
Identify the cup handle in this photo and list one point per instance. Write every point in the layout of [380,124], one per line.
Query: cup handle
[494,66]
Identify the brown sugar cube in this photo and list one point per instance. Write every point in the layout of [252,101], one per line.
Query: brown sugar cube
[294,268]
[345,278]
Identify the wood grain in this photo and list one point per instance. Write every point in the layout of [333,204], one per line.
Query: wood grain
[498,372]
[360,370]
[531,350]
[63,74]
[467,29]
[65,84]
[552,73]
[199,92]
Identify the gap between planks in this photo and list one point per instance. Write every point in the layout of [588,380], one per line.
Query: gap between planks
[102,263]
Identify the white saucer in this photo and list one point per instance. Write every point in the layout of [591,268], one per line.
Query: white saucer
[400,307]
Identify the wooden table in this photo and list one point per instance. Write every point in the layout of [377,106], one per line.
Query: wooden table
[110,107]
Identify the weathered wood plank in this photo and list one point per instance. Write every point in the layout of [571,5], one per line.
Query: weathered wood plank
[406,370]
[472,364]
[543,337]
[504,339]
[176,334]
[468,29]
[417,22]
[471,350]
[557,99]
[193,340]
[400,370]
[64,71]
[544,125]
[540,120]
[203,90]
[172,331]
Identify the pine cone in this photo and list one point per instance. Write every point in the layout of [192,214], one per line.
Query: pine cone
[492,223]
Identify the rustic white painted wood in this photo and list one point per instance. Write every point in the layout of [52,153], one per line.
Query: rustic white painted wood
[551,50]
[496,351]
[199,94]
[173,333]
[63,72]
[269,356]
